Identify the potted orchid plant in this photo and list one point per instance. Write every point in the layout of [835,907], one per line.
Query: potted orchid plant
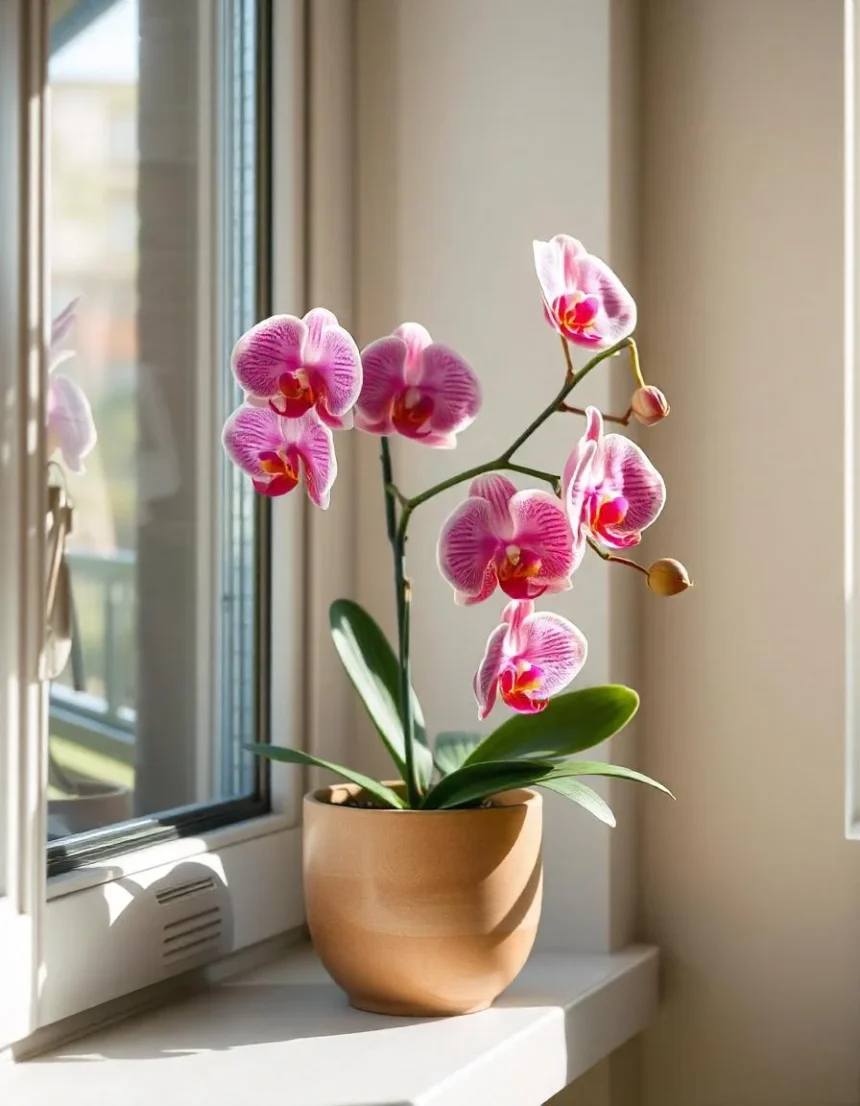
[423,893]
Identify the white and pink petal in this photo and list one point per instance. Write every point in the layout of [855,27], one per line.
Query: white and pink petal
[541,526]
[555,646]
[466,546]
[314,444]
[383,378]
[71,427]
[268,350]
[450,382]
[485,684]
[250,432]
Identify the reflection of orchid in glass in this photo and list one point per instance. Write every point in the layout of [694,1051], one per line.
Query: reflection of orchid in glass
[71,428]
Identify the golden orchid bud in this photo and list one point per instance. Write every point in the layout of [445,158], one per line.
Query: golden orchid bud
[649,405]
[668,577]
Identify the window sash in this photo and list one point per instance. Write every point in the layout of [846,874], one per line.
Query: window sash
[228,623]
[22,510]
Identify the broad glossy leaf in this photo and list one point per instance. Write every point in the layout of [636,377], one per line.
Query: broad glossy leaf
[473,782]
[295,756]
[580,793]
[598,768]
[569,723]
[451,749]
[373,668]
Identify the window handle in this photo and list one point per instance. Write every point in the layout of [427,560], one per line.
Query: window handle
[58,598]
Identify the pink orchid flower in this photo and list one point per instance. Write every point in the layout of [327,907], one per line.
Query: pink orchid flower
[293,365]
[70,425]
[275,451]
[583,299]
[416,387]
[611,490]
[528,658]
[520,541]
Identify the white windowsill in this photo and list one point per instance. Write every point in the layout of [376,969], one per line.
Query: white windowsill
[284,1033]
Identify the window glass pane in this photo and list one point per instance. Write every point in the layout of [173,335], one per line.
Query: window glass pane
[152,235]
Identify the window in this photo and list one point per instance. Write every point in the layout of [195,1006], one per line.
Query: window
[153,247]
[146,164]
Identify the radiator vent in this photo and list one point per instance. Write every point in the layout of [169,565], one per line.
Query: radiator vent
[194,935]
[182,890]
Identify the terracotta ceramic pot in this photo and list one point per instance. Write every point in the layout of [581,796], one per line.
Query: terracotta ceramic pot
[422,912]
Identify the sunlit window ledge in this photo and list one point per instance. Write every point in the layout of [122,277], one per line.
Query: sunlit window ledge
[284,1033]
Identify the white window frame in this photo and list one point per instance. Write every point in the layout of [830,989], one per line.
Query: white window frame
[852,425]
[22,500]
[97,933]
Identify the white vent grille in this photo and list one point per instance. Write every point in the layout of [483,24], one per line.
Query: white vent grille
[182,890]
[194,935]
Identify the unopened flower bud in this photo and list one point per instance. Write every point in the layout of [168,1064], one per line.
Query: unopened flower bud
[649,405]
[668,577]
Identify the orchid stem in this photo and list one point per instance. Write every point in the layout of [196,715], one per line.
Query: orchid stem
[623,420]
[607,556]
[403,597]
[571,371]
[503,461]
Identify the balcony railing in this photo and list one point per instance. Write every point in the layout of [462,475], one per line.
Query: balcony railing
[96,707]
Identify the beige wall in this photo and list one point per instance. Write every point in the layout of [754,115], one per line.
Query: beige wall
[749,887]
[483,123]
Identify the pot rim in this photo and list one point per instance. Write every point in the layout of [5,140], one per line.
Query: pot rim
[531,797]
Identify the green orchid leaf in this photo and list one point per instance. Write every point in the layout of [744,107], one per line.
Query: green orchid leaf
[451,749]
[598,768]
[295,756]
[475,782]
[568,724]
[583,795]
[373,668]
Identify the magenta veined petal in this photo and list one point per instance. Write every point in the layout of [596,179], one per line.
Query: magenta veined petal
[383,364]
[334,368]
[298,364]
[519,541]
[486,680]
[554,645]
[315,446]
[417,388]
[627,468]
[528,658]
[466,547]
[71,427]
[541,525]
[583,298]
[452,386]
[275,452]
[266,352]
[611,490]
